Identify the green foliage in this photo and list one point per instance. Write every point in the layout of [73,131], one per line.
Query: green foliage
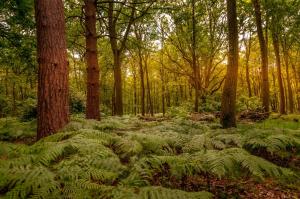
[11,129]
[127,158]
[77,102]
[29,109]
[248,103]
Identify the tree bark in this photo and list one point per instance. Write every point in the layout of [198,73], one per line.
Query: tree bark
[93,87]
[118,85]
[150,104]
[142,83]
[264,57]
[228,110]
[279,74]
[288,79]
[248,51]
[53,107]
[195,66]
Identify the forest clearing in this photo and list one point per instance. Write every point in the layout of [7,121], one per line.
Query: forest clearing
[150,99]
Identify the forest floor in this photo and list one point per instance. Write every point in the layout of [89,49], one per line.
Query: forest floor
[131,157]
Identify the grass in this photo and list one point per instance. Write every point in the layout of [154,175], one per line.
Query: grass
[124,157]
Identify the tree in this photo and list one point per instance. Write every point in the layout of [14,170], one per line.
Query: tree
[93,88]
[264,56]
[53,107]
[228,118]
[118,21]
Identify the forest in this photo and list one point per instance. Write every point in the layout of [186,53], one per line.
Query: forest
[150,99]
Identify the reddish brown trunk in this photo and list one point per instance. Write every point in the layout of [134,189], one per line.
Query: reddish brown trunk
[53,107]
[93,88]
[228,118]
[264,57]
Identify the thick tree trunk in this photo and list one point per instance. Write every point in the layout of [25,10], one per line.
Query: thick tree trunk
[93,87]
[279,74]
[228,110]
[53,107]
[264,57]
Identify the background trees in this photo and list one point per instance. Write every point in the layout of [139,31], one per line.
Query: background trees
[157,56]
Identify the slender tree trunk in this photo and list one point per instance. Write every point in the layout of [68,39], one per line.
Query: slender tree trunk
[194,61]
[275,101]
[53,107]
[141,69]
[264,56]
[93,87]
[228,110]
[248,51]
[279,74]
[135,102]
[14,106]
[297,80]
[118,85]
[149,89]
[288,79]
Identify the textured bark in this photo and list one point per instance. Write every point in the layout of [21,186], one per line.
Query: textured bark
[264,56]
[93,87]
[279,74]
[53,107]
[228,110]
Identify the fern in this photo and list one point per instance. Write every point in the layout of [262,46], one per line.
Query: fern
[25,182]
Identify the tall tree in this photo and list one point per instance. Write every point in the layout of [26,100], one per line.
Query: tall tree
[228,115]
[93,88]
[264,56]
[53,107]
[275,38]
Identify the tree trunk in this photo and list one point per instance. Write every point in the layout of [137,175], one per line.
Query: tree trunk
[248,51]
[142,83]
[195,66]
[288,79]
[297,80]
[118,85]
[264,57]
[279,76]
[93,87]
[148,89]
[228,118]
[53,107]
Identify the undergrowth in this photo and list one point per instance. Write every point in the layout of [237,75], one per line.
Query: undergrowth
[129,158]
